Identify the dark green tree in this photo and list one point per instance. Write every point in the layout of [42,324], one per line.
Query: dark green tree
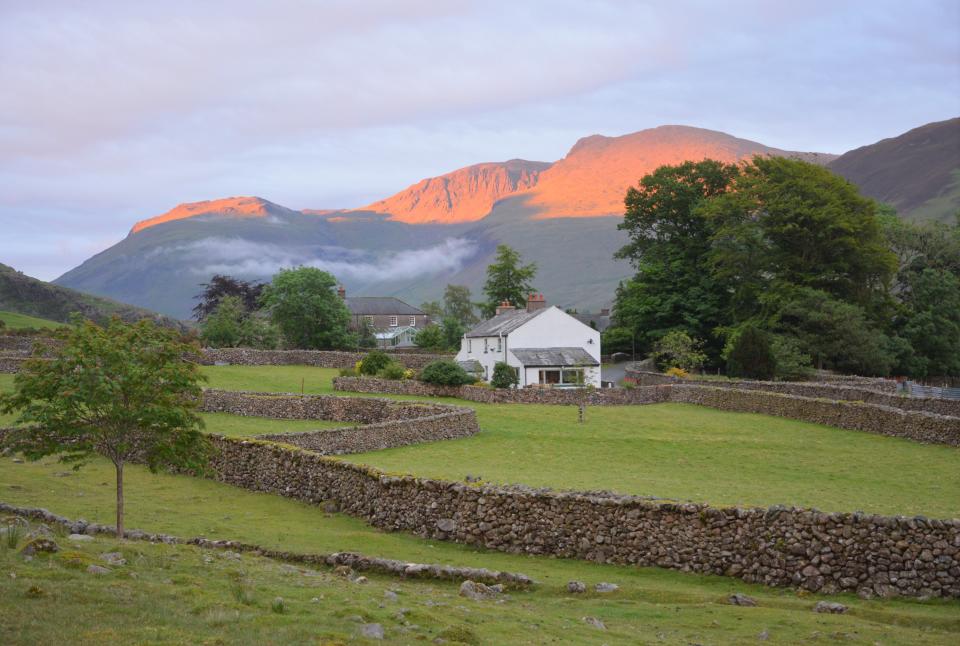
[507,280]
[669,242]
[930,323]
[123,392]
[751,355]
[786,223]
[305,306]
[374,362]
[453,331]
[221,287]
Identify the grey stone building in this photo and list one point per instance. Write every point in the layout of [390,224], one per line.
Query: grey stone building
[383,313]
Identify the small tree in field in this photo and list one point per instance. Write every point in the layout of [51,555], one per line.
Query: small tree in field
[123,392]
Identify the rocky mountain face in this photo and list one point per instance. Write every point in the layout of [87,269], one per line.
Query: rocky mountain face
[562,216]
[465,195]
[594,176]
[917,172]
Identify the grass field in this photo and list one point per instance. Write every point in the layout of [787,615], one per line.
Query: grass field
[674,451]
[191,599]
[16,321]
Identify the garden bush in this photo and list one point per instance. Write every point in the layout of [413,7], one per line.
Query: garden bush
[393,370]
[504,376]
[445,373]
[374,362]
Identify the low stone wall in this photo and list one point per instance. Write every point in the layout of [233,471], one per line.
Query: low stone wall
[355,560]
[872,555]
[871,418]
[852,415]
[317,358]
[832,390]
[485,395]
[11,364]
[386,423]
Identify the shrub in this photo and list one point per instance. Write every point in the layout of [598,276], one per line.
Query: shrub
[751,355]
[374,362]
[679,373]
[445,373]
[392,370]
[504,376]
[792,364]
[348,372]
[677,348]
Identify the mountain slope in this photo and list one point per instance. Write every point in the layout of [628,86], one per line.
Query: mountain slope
[231,207]
[594,176]
[22,294]
[918,172]
[465,195]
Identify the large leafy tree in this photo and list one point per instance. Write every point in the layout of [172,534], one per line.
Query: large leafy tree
[124,392]
[669,242]
[786,223]
[507,280]
[305,306]
[220,287]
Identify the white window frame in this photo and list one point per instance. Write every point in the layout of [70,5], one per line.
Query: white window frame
[413,321]
[393,321]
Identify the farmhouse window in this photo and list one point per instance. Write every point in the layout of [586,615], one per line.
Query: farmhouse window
[393,321]
[368,319]
[486,347]
[413,321]
[499,343]
[571,376]
[549,376]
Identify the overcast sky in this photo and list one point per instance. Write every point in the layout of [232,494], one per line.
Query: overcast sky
[111,112]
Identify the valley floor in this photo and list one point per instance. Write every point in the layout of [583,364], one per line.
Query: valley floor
[175,595]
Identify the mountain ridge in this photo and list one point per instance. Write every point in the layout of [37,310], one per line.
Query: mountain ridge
[562,215]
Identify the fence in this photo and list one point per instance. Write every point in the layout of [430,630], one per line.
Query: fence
[914,389]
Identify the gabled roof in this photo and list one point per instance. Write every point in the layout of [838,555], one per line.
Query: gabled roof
[380,306]
[504,323]
[532,357]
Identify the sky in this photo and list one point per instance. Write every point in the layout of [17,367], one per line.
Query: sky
[115,111]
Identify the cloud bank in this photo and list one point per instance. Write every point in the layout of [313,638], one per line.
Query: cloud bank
[239,257]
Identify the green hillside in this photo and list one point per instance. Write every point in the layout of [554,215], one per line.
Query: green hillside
[14,321]
[29,297]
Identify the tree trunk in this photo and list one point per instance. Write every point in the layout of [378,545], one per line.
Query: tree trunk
[583,407]
[119,466]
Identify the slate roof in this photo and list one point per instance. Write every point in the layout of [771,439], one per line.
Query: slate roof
[504,323]
[532,357]
[380,306]
[472,366]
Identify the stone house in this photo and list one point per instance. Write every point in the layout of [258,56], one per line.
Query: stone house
[383,313]
[545,345]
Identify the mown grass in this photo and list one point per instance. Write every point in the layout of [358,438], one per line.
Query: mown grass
[240,426]
[674,451]
[179,597]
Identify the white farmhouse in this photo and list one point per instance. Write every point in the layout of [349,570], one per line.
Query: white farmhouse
[544,344]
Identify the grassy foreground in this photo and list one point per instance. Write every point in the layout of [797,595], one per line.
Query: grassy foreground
[179,597]
[675,451]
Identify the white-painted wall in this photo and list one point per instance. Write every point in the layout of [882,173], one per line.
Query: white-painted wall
[554,328]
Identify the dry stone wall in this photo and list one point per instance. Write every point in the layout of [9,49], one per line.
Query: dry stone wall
[317,358]
[386,423]
[852,415]
[825,552]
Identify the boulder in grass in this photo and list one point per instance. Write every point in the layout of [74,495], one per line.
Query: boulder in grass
[740,599]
